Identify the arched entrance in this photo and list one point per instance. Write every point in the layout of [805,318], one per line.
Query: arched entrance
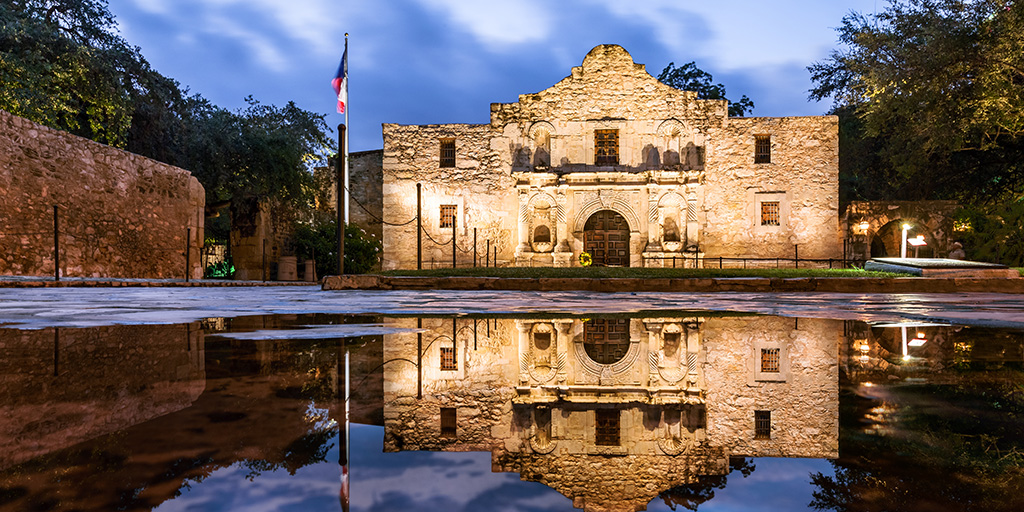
[606,340]
[606,238]
[889,238]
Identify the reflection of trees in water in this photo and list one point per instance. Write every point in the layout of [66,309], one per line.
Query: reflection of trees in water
[692,496]
[958,445]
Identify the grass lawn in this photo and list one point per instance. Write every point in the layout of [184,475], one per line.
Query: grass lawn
[641,273]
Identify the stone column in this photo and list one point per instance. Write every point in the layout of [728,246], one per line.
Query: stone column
[524,329]
[524,225]
[692,228]
[563,340]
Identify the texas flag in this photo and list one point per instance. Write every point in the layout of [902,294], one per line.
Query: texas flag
[340,82]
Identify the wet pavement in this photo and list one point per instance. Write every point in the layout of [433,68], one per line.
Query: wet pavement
[34,308]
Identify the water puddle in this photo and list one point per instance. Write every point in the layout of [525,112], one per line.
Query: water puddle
[682,410]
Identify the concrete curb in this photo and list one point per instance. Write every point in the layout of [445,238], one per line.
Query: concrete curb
[28,282]
[695,285]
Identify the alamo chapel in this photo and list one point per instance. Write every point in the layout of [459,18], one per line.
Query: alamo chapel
[611,162]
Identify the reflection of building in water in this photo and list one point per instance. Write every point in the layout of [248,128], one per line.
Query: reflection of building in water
[612,411]
[59,387]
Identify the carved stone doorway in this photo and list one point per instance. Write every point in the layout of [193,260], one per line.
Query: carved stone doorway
[606,238]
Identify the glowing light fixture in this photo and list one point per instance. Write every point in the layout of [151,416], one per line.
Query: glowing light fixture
[903,244]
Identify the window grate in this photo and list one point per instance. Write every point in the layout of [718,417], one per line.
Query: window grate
[770,213]
[448,420]
[770,360]
[448,359]
[762,424]
[607,428]
[606,147]
[762,149]
[447,152]
[448,215]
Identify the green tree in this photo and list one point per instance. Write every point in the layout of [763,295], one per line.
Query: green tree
[62,64]
[689,77]
[938,87]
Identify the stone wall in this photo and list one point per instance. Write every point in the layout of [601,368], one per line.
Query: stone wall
[120,214]
[366,182]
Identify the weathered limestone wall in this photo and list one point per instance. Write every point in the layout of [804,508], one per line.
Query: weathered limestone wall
[803,176]
[121,214]
[366,182]
[257,249]
[803,397]
[58,389]
[480,188]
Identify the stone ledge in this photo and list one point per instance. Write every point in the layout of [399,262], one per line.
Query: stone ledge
[696,285]
[40,282]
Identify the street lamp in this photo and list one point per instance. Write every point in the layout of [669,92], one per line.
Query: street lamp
[903,244]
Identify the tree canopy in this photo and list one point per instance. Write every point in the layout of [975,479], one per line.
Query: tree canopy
[689,77]
[934,90]
[63,64]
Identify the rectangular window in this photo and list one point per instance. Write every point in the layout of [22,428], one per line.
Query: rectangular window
[770,360]
[762,149]
[447,152]
[607,428]
[448,422]
[606,147]
[770,213]
[762,424]
[448,215]
[448,359]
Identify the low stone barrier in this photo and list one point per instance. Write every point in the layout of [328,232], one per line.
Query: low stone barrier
[695,285]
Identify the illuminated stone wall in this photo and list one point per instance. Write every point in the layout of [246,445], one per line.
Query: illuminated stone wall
[685,180]
[121,214]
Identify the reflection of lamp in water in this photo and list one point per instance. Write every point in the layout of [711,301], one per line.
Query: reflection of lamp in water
[917,242]
[918,341]
[903,243]
[903,328]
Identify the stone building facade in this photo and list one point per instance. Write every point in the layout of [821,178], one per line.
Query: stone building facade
[612,411]
[611,162]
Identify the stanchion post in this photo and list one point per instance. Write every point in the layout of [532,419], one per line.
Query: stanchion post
[474,247]
[419,226]
[188,252]
[56,245]
[454,247]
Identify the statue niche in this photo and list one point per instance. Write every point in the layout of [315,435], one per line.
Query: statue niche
[540,228]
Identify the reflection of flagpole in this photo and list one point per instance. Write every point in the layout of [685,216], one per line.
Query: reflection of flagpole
[344,431]
[346,450]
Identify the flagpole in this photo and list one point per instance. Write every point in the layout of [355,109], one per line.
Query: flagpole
[346,144]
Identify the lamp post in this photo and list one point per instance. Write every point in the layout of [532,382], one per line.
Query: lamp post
[903,244]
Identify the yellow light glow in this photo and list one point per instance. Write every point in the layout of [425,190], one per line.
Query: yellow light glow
[869,384]
[906,227]
[864,226]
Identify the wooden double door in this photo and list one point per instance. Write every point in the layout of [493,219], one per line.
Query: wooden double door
[606,238]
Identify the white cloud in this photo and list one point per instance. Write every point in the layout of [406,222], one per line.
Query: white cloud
[499,24]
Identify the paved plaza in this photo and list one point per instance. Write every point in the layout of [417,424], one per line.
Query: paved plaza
[82,307]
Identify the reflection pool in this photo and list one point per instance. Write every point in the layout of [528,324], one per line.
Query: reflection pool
[674,409]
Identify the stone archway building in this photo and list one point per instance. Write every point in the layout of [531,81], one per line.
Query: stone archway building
[873,229]
[687,179]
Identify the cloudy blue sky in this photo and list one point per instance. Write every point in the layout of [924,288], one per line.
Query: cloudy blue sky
[441,61]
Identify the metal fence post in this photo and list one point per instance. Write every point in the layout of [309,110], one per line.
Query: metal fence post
[487,254]
[796,255]
[454,247]
[474,247]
